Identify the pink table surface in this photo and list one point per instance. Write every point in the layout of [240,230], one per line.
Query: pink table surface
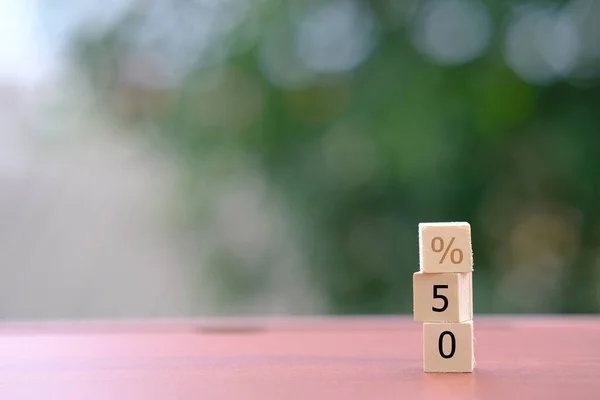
[522,357]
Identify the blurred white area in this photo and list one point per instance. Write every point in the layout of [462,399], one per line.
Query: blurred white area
[452,32]
[542,43]
[182,36]
[37,32]
[80,201]
[88,226]
[23,57]
[81,234]
[331,37]
[336,37]
[546,42]
[585,15]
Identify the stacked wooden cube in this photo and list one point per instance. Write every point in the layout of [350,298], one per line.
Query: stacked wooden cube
[443,296]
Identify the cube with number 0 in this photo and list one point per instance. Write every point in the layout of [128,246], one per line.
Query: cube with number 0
[442,297]
[448,347]
[445,247]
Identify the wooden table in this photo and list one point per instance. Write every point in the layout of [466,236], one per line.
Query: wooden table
[307,359]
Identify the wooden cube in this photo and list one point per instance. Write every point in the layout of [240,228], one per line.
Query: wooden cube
[448,347]
[445,247]
[442,297]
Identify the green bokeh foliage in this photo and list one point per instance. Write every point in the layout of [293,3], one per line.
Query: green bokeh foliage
[472,142]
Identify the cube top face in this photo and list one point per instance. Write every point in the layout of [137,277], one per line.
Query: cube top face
[446,297]
[448,347]
[445,247]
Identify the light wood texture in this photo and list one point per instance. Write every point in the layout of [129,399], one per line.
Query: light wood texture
[448,347]
[442,297]
[523,357]
[445,247]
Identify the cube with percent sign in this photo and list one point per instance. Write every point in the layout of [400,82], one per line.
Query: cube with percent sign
[445,247]
[444,297]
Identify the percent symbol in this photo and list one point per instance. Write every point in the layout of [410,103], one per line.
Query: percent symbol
[456,255]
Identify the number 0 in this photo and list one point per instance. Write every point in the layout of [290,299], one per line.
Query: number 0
[441,344]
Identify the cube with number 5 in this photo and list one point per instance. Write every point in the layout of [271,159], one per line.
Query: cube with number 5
[443,297]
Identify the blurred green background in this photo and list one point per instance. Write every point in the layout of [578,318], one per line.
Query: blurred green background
[309,139]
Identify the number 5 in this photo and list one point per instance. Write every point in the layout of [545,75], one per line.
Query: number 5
[440,296]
